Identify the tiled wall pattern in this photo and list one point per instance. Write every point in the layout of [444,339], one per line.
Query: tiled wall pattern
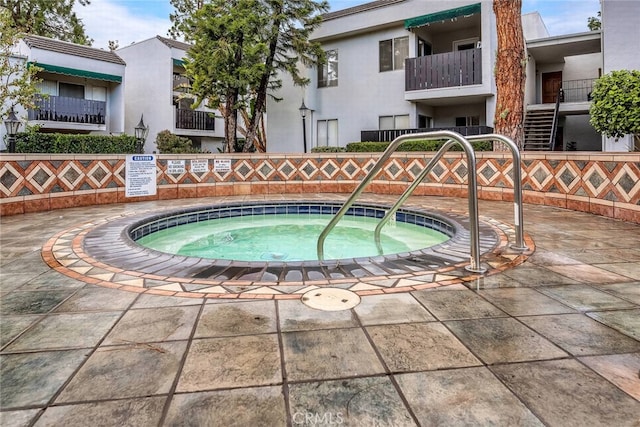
[601,183]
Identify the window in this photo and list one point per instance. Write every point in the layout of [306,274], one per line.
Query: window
[465,44]
[71,91]
[393,122]
[468,121]
[98,93]
[48,87]
[327,133]
[393,53]
[328,73]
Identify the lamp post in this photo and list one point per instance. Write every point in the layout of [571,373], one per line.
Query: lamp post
[141,132]
[303,112]
[13,126]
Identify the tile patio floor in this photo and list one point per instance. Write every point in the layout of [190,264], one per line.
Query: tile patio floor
[554,341]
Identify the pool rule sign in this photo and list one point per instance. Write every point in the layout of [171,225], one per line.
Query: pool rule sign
[140,175]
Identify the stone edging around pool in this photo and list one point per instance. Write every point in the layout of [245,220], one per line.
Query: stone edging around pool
[65,252]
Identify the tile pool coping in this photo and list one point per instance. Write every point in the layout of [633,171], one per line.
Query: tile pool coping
[81,252]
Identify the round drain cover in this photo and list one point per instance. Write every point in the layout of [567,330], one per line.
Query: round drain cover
[331,299]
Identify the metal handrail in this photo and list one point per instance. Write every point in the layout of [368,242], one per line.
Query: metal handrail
[517,184]
[554,125]
[409,191]
[471,182]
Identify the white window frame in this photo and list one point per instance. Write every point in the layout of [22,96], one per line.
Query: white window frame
[395,64]
[327,137]
[457,43]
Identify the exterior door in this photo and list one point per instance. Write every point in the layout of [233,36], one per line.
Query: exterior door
[551,82]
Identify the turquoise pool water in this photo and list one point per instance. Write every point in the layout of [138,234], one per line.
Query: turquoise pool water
[288,238]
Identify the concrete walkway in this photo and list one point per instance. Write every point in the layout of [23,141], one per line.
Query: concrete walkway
[554,341]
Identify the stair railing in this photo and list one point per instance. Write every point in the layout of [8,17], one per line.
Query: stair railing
[452,138]
[554,125]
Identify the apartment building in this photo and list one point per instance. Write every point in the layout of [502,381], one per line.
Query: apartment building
[158,89]
[399,66]
[84,87]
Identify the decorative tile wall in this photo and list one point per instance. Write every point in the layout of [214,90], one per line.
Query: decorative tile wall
[601,183]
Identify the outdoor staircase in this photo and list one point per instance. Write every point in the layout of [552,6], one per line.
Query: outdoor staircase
[538,126]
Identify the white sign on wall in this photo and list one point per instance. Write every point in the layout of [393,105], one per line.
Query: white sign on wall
[222,165]
[175,167]
[140,175]
[199,166]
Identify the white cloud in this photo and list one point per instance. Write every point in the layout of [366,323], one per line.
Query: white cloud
[106,20]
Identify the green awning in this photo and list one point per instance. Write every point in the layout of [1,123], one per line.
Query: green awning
[419,21]
[77,73]
[178,62]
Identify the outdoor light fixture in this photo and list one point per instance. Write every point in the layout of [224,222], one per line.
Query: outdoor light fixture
[303,112]
[13,126]
[141,132]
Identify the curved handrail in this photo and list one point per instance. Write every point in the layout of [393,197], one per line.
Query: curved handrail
[517,184]
[409,191]
[472,185]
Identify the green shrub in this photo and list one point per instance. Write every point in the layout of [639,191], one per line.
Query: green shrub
[327,149]
[415,145]
[170,143]
[33,141]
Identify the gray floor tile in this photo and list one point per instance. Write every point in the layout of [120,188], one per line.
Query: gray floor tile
[621,369]
[37,302]
[627,291]
[33,378]
[129,412]
[154,324]
[580,335]
[257,406]
[503,340]
[244,361]
[18,418]
[125,372]
[534,276]
[296,316]
[586,273]
[12,326]
[327,354]
[371,401]
[51,280]
[566,393]
[449,305]
[625,321]
[585,298]
[524,301]
[463,397]
[94,298]
[66,331]
[420,346]
[218,320]
[391,308]
[152,301]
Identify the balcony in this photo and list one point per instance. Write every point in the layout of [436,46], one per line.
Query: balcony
[391,134]
[576,90]
[181,83]
[70,110]
[187,118]
[451,69]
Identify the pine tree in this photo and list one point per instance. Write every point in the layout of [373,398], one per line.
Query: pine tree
[48,18]
[509,70]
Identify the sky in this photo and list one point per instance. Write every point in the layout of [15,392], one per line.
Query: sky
[130,21]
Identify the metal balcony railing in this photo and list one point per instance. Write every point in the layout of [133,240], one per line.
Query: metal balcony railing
[391,134]
[577,90]
[72,110]
[187,118]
